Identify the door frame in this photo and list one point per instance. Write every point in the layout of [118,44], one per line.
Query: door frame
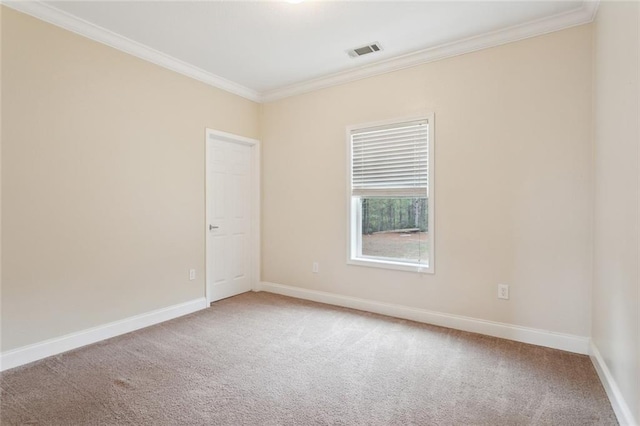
[254,144]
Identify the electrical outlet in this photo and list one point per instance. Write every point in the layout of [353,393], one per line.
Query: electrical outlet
[192,274]
[503,291]
[316,267]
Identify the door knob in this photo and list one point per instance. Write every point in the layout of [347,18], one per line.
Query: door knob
[211,227]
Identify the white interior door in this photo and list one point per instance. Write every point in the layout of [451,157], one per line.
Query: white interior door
[229,216]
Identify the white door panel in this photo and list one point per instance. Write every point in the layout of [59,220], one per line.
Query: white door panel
[229,215]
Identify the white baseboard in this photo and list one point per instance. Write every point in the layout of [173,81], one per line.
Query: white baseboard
[620,407]
[565,342]
[36,351]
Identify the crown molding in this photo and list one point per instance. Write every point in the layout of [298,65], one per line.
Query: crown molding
[48,13]
[591,8]
[579,16]
[94,32]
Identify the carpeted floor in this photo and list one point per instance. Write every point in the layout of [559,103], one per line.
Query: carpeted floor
[263,359]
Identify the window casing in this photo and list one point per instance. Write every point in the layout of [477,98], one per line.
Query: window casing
[391,197]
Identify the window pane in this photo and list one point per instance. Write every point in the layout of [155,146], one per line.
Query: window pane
[395,229]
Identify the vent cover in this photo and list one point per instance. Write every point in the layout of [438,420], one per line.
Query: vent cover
[364,50]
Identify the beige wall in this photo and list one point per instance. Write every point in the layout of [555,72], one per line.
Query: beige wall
[616,331]
[513,183]
[102,181]
[1,9]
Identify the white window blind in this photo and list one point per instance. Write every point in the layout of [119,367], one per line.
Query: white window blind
[391,160]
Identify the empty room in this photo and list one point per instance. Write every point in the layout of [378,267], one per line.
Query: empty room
[320,212]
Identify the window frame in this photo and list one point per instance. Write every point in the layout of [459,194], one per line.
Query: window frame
[354,216]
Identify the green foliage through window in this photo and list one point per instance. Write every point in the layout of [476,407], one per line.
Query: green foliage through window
[394,214]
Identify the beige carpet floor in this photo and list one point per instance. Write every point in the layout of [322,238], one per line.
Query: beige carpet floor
[263,359]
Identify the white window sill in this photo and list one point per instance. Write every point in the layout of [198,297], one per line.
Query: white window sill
[389,264]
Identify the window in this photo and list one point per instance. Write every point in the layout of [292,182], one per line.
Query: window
[391,195]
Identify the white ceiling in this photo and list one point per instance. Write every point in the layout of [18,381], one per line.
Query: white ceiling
[263,48]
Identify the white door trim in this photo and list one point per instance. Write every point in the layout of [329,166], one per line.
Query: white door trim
[211,134]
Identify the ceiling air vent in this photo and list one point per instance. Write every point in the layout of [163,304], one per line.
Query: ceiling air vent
[364,50]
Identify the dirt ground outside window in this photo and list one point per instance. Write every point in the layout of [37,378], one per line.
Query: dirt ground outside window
[398,245]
